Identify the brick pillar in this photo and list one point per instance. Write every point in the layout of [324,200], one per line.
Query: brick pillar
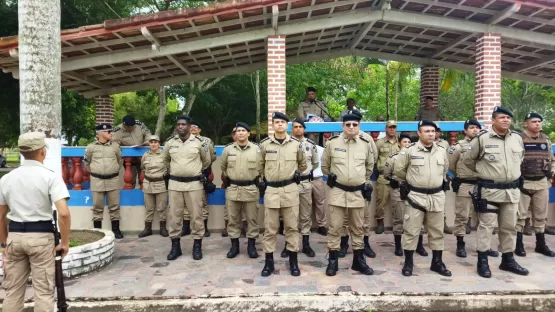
[276,77]
[104,109]
[488,76]
[429,83]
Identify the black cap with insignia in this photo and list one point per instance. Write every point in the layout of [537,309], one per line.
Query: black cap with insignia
[472,122]
[129,120]
[404,136]
[311,89]
[502,110]
[533,115]
[183,117]
[280,115]
[427,123]
[194,123]
[244,125]
[103,127]
[352,115]
[300,121]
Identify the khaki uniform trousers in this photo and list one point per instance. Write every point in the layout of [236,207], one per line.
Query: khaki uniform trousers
[318,200]
[236,210]
[412,225]
[181,201]
[29,253]
[157,201]
[305,210]
[186,215]
[112,200]
[382,199]
[355,217]
[226,214]
[290,224]
[397,212]
[537,203]
[507,227]
[463,210]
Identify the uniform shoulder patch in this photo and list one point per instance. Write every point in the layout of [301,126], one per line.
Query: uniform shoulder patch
[363,138]
[394,154]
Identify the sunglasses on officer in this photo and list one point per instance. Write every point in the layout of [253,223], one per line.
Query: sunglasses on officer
[351,124]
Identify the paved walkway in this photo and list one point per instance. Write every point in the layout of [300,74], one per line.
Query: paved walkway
[140,269]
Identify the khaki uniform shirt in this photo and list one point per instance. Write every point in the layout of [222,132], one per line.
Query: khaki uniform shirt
[138,136]
[186,159]
[154,167]
[242,165]
[211,148]
[496,158]
[425,169]
[30,190]
[385,148]
[388,172]
[319,109]
[373,148]
[459,168]
[432,114]
[279,162]
[544,183]
[443,143]
[104,159]
[352,161]
[312,162]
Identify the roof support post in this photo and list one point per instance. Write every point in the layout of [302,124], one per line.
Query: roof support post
[104,109]
[276,77]
[488,76]
[429,83]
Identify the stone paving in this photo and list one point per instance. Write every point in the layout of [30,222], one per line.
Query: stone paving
[140,269]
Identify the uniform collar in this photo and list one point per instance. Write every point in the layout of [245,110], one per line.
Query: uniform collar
[237,146]
[467,139]
[495,134]
[423,148]
[346,138]
[32,163]
[386,139]
[155,153]
[287,137]
[98,143]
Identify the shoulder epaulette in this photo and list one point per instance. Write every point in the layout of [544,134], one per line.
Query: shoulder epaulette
[363,138]
[256,144]
[514,131]
[440,146]
[198,138]
[310,141]
[394,154]
[412,144]
[116,129]
[481,133]
[229,144]
[294,138]
[265,139]
[138,122]
[333,137]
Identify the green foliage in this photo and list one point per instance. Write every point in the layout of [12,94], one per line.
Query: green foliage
[78,115]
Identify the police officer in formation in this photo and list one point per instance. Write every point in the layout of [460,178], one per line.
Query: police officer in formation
[26,198]
[283,160]
[241,167]
[496,156]
[103,159]
[186,156]
[154,187]
[423,165]
[443,143]
[537,169]
[348,163]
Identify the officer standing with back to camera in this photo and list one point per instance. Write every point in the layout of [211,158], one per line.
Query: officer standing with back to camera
[423,165]
[282,163]
[27,194]
[240,164]
[103,159]
[496,155]
[537,170]
[348,163]
[186,156]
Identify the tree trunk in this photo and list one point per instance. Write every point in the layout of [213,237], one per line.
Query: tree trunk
[161,110]
[257,98]
[396,93]
[387,89]
[39,74]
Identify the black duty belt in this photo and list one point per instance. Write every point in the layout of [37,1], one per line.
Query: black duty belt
[428,191]
[501,185]
[31,227]
[151,179]
[185,179]
[242,182]
[466,181]
[104,177]
[538,178]
[348,188]
[415,205]
[306,177]
[280,183]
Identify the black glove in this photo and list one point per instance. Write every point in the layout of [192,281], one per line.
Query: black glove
[445,186]
[394,183]
[367,191]
[332,178]
[209,187]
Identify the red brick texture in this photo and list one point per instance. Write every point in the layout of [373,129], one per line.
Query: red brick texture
[104,109]
[429,83]
[276,77]
[488,76]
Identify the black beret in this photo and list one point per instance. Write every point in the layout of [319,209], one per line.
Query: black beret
[241,124]
[300,121]
[103,127]
[129,120]
[311,89]
[404,136]
[280,115]
[533,115]
[183,117]
[194,123]
[502,110]
[472,122]
[424,123]
[352,115]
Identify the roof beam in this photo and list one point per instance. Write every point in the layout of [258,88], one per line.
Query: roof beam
[179,64]
[275,16]
[534,64]
[513,8]
[83,78]
[362,33]
[150,37]
[452,44]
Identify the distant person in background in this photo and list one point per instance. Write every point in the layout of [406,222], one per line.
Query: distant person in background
[381,118]
[428,111]
[313,110]
[350,106]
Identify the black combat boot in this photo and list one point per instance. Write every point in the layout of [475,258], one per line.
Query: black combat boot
[333,263]
[437,263]
[268,265]
[483,267]
[206,232]
[461,251]
[115,229]
[224,232]
[398,247]
[446,229]
[285,252]
[528,231]
[234,250]
[97,224]
[468,227]
[163,229]
[293,264]
[367,249]
[519,250]
[344,246]
[186,230]
[541,247]
[324,232]
[147,230]
[420,247]
[306,247]
[508,263]
[359,263]
[407,267]
[197,249]
[492,253]
[281,227]
[379,226]
[176,249]
[251,248]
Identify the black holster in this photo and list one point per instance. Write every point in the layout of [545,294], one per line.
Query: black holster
[480,204]
[404,190]
[262,187]
[167,180]
[455,185]
[445,185]
[297,177]
[393,183]
[226,182]
[367,191]
[208,186]
[332,180]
